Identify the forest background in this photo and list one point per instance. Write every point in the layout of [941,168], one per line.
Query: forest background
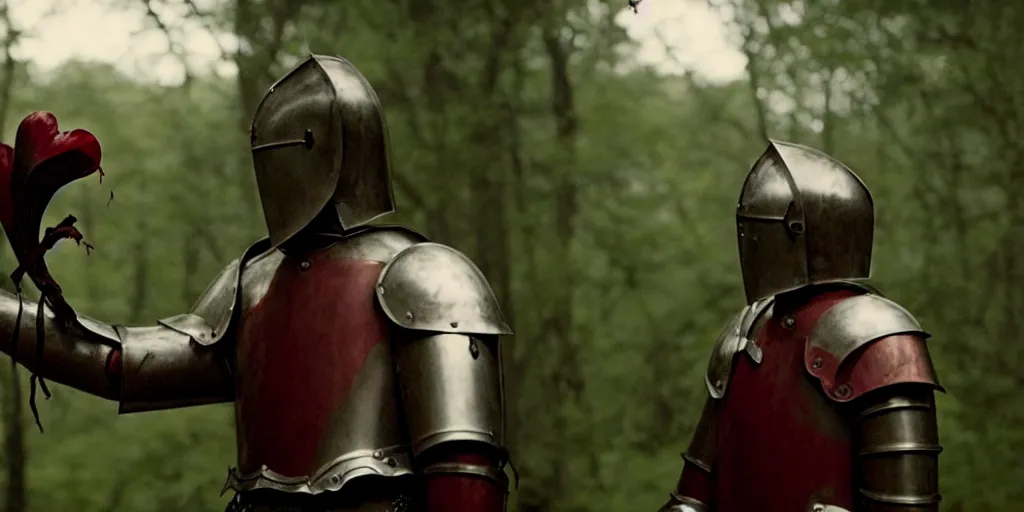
[597,194]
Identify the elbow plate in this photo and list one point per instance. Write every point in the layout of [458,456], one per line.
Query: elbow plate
[898,452]
[446,350]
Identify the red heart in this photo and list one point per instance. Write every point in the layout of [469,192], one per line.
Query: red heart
[39,140]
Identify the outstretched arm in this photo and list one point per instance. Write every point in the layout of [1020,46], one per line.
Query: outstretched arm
[172,364]
[78,358]
[448,360]
[694,491]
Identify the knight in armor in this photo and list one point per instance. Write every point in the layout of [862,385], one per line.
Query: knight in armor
[363,361]
[821,390]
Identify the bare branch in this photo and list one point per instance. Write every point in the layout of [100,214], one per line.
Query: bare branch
[173,46]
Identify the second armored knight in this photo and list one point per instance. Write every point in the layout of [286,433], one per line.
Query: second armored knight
[363,361]
[820,389]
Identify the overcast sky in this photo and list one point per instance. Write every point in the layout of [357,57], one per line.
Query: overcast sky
[58,30]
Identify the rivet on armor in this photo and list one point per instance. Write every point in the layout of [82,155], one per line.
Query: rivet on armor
[213,332]
[789,321]
[264,467]
[390,462]
[335,479]
[378,455]
[842,391]
[380,289]
[304,265]
[819,507]
[454,324]
[408,315]
[718,383]
[473,349]
[818,363]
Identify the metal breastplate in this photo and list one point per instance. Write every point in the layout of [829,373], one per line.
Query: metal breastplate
[782,445]
[316,403]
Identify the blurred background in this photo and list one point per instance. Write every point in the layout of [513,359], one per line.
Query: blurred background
[587,158]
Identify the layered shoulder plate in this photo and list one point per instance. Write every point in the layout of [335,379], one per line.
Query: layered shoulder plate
[859,320]
[433,287]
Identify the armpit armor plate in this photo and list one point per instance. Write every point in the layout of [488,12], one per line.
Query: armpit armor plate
[175,364]
[738,337]
[210,317]
[213,314]
[448,357]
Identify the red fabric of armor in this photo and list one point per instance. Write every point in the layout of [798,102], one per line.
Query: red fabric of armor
[696,483]
[782,444]
[300,350]
[463,492]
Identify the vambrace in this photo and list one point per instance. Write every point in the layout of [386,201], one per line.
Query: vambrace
[898,450]
[453,400]
[83,359]
[694,490]
[144,368]
[162,368]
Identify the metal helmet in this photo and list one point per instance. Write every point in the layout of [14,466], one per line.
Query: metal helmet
[319,140]
[803,218]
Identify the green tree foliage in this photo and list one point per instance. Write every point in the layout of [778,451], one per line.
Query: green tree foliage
[598,197]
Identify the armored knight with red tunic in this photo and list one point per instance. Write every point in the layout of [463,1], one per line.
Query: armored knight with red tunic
[821,390]
[363,361]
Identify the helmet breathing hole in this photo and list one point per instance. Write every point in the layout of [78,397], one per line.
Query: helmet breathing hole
[796,226]
[308,140]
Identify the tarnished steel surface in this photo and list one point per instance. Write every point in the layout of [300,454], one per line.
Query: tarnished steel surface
[76,357]
[802,218]
[319,139]
[865,343]
[317,401]
[212,314]
[736,338]
[451,389]
[162,368]
[432,287]
[898,450]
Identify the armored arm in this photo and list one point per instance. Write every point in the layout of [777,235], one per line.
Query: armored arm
[172,364]
[870,353]
[86,359]
[695,489]
[449,370]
